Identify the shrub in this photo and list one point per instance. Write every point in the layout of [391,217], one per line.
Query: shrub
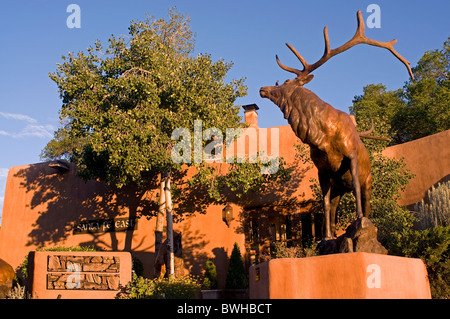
[437,212]
[185,287]
[69,248]
[236,274]
[308,250]
[138,266]
[210,279]
[18,292]
[138,288]
[391,220]
[433,247]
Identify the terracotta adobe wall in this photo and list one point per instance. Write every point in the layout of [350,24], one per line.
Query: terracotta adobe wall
[429,159]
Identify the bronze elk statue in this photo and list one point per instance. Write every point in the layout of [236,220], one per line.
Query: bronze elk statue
[336,148]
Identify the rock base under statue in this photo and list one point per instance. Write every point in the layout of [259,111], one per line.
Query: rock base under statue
[346,276]
[360,236]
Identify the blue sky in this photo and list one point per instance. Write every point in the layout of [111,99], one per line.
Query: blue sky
[34,36]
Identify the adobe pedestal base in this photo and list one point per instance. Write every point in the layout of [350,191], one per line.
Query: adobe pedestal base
[346,276]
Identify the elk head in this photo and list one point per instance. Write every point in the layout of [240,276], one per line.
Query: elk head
[303,77]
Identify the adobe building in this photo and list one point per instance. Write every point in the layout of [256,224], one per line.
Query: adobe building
[47,205]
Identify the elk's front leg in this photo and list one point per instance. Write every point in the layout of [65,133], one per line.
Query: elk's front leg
[325,185]
[354,168]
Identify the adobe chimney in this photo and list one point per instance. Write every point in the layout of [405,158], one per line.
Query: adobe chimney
[250,114]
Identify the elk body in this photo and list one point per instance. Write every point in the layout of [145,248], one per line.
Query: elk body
[336,148]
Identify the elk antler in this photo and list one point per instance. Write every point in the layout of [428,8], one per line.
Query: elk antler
[358,38]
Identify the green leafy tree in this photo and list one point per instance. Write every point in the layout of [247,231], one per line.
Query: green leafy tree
[418,109]
[379,107]
[121,105]
[428,97]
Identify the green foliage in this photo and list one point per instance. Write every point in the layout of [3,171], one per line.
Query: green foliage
[178,288]
[210,278]
[160,288]
[283,251]
[138,288]
[377,106]
[138,266]
[433,247]
[240,177]
[389,179]
[68,248]
[437,211]
[236,274]
[121,105]
[418,109]
[428,96]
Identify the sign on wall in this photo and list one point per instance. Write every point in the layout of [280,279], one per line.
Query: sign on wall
[105,225]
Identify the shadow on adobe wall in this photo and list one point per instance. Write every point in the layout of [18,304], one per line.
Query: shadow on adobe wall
[61,199]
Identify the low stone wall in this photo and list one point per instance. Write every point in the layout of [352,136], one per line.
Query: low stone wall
[78,274]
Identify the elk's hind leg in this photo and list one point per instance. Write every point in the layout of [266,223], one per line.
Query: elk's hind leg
[335,197]
[366,194]
[354,168]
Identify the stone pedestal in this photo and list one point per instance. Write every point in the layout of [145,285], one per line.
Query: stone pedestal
[346,276]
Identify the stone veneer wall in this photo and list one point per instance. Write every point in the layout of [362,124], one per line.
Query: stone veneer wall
[75,275]
[83,272]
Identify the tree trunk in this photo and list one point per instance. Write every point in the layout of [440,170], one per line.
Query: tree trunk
[165,206]
[169,218]
[159,228]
